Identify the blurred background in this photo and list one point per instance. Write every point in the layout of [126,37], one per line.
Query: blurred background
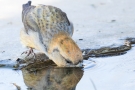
[92,19]
[97,23]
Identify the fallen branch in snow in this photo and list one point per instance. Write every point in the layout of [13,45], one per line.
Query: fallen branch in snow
[109,51]
[131,40]
[106,51]
[41,58]
[8,63]
[2,65]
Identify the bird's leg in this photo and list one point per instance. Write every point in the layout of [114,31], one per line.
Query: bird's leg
[30,51]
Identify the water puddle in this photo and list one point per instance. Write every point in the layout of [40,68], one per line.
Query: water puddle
[51,77]
[43,75]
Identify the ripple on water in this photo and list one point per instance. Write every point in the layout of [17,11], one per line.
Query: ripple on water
[93,66]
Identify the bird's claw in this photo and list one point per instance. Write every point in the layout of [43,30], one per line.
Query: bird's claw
[28,52]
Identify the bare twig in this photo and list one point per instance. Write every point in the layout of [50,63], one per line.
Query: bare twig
[18,87]
[93,84]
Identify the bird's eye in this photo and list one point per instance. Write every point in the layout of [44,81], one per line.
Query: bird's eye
[68,61]
[55,50]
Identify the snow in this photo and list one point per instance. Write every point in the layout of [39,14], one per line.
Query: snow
[98,22]
[113,73]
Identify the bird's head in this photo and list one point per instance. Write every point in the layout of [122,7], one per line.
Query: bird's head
[66,49]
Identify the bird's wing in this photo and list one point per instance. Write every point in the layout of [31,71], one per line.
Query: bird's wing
[47,21]
[44,18]
[50,19]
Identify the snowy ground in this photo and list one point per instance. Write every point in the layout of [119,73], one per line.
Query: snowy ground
[97,22]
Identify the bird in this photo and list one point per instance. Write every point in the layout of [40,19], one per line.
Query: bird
[48,30]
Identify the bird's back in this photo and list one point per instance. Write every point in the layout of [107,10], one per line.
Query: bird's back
[47,21]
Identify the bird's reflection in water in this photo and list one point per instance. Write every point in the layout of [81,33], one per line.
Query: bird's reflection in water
[51,77]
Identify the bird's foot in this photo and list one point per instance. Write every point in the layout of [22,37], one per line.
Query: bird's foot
[30,52]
